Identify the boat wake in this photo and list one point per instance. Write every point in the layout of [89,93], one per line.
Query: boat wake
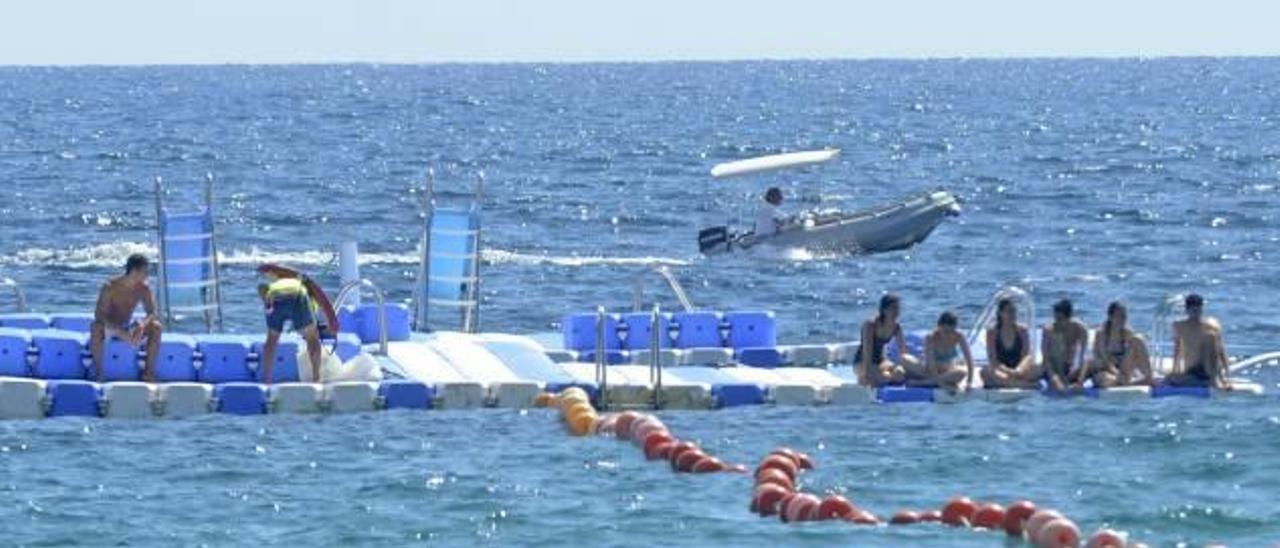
[112,255]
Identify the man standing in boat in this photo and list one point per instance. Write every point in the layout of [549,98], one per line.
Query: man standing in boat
[769,217]
[113,316]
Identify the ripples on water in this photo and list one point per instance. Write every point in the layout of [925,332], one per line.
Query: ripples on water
[1088,179]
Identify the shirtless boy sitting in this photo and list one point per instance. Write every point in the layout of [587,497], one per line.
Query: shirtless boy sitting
[113,317]
[1062,348]
[1199,356]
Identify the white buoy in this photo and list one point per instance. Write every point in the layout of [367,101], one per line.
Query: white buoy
[349,266]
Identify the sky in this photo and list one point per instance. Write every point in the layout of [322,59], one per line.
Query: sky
[129,32]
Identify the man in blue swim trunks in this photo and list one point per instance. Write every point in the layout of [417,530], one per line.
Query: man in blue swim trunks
[113,316]
[286,301]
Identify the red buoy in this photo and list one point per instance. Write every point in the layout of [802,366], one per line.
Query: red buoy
[655,438]
[931,516]
[622,426]
[773,475]
[1107,538]
[679,449]
[989,516]
[835,507]
[767,498]
[645,425]
[904,517]
[707,464]
[1015,517]
[863,517]
[1059,533]
[1037,521]
[686,460]
[660,451]
[779,462]
[959,511]
[800,507]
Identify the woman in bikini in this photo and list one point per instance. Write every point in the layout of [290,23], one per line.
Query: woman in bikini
[942,350]
[874,367]
[1118,352]
[1011,363]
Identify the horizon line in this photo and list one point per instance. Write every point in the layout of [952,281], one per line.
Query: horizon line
[691,60]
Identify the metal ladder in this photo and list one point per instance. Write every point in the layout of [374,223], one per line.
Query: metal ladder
[655,357]
[19,298]
[353,288]
[637,288]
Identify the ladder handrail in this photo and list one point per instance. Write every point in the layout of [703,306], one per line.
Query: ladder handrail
[637,291]
[602,369]
[655,356]
[1010,291]
[354,287]
[18,296]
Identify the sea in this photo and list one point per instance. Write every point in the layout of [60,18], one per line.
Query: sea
[1093,180]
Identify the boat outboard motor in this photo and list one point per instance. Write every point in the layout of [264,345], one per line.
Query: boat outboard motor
[713,240]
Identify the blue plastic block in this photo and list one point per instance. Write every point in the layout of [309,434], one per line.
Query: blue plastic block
[347,322]
[580,332]
[120,361]
[73,398]
[224,359]
[366,323]
[1167,391]
[348,346]
[611,357]
[24,320]
[733,395]
[176,361]
[286,367]
[241,398]
[14,344]
[759,357]
[71,321]
[904,394]
[698,330]
[752,329]
[640,330]
[59,354]
[405,394]
[593,391]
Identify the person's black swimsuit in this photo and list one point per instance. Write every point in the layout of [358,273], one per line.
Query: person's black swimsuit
[1009,357]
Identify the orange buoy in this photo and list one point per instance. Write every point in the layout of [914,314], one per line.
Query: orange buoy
[1015,517]
[931,516]
[800,507]
[544,399]
[686,460]
[767,497]
[863,517]
[1059,533]
[989,516]
[775,476]
[707,464]
[835,507]
[644,426]
[905,517]
[622,428]
[680,448]
[1107,538]
[1037,522]
[779,462]
[959,511]
[582,423]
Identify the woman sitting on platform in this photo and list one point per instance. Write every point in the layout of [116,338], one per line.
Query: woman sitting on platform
[1118,352]
[942,351]
[874,366]
[1011,363]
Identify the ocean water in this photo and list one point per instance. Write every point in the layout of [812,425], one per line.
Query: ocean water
[1087,179]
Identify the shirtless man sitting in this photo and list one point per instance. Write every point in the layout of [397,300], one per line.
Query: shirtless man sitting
[1062,347]
[1199,356]
[113,316]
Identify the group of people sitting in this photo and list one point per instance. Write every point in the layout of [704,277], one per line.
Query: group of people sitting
[1119,355]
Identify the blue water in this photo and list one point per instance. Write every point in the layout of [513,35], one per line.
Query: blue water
[1087,179]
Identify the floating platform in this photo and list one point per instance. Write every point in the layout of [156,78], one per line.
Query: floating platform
[45,367]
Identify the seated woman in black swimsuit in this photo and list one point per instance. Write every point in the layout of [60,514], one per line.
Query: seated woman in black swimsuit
[1010,360]
[1118,352]
[873,367]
